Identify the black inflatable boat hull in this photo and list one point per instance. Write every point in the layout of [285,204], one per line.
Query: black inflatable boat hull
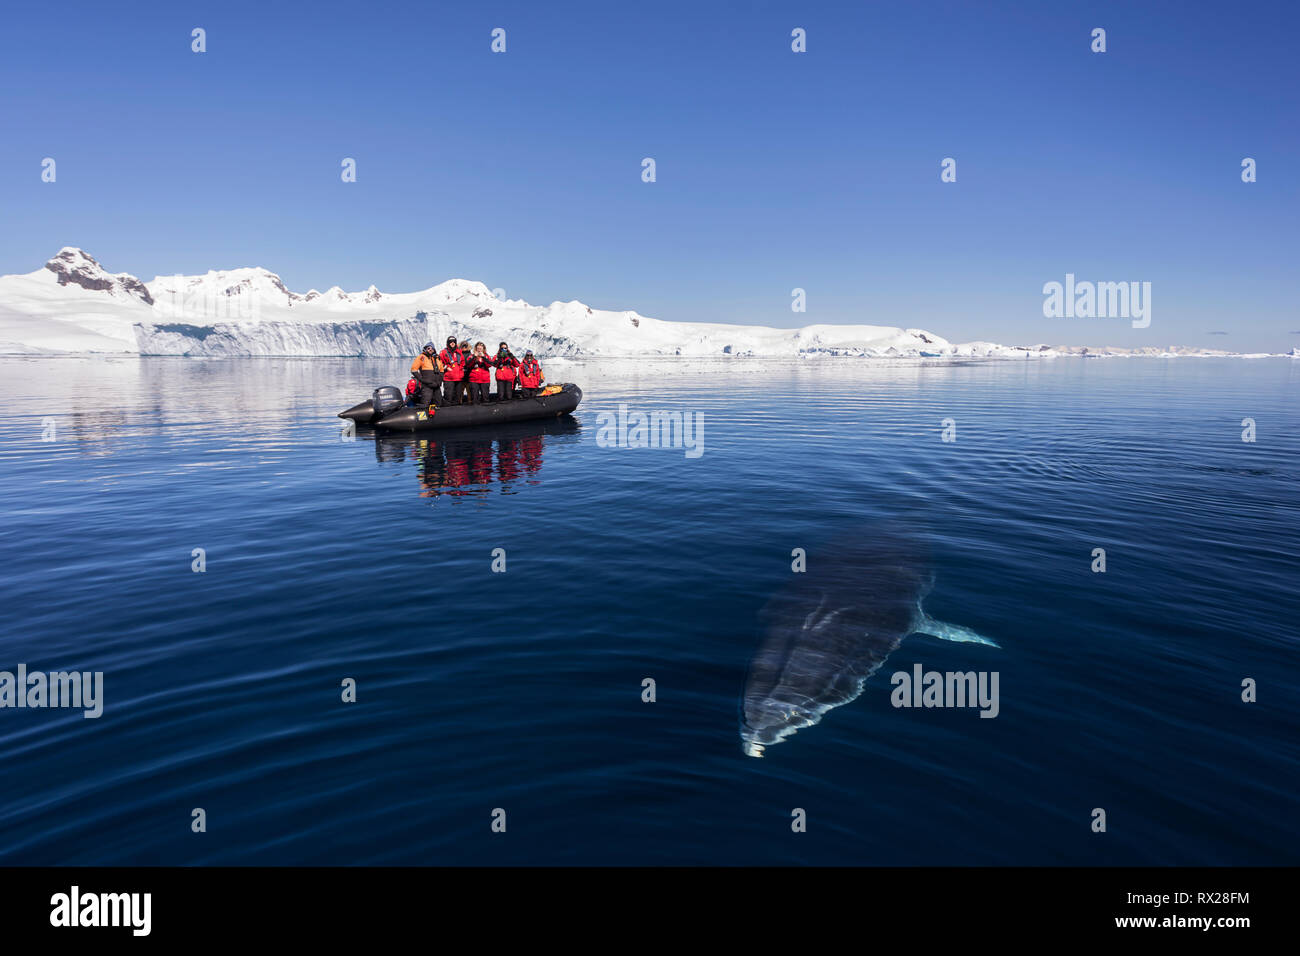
[422,418]
[362,414]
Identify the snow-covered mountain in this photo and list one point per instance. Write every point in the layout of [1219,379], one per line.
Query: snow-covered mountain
[74,305]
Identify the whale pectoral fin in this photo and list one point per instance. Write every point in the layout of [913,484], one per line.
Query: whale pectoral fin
[950,632]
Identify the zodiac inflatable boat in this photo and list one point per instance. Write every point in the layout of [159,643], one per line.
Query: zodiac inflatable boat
[388,411]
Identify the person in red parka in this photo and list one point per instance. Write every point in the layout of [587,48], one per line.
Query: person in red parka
[467,350]
[453,372]
[480,374]
[530,375]
[506,366]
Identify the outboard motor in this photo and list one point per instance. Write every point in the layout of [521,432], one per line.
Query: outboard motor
[386,400]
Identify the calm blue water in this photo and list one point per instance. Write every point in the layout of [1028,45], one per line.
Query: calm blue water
[372,559]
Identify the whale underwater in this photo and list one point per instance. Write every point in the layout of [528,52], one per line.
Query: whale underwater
[833,627]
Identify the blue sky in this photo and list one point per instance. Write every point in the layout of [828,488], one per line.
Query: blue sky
[775,170]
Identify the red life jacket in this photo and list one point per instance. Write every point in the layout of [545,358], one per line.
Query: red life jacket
[506,370]
[455,365]
[480,372]
[530,374]
[412,387]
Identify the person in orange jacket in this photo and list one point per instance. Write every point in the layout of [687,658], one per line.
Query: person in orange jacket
[426,370]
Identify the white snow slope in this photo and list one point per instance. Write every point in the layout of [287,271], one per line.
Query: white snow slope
[73,305]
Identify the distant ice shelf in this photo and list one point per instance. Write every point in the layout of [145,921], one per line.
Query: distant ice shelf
[73,305]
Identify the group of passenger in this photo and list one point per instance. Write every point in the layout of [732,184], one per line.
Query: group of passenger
[458,366]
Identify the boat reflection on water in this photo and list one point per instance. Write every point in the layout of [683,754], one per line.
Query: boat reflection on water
[469,461]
